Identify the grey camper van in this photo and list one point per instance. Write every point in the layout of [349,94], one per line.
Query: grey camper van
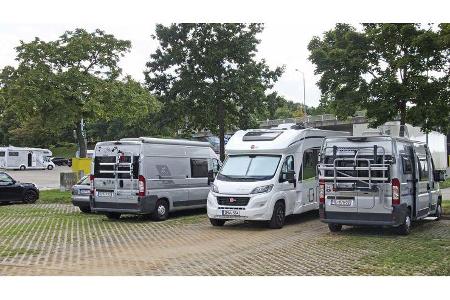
[151,176]
[377,180]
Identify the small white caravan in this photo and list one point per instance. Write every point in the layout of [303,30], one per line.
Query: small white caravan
[22,158]
[268,174]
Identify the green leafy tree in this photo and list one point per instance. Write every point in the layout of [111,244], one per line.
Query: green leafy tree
[395,71]
[64,81]
[207,76]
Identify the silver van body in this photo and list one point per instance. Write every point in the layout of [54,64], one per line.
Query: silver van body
[377,180]
[144,175]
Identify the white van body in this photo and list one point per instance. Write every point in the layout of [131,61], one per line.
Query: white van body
[151,176]
[377,180]
[255,177]
[23,158]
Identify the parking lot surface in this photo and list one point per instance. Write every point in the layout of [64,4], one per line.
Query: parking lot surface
[56,239]
[44,179]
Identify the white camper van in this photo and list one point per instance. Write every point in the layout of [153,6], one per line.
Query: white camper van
[22,158]
[268,174]
[151,176]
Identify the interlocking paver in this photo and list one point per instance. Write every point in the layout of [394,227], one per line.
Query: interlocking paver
[55,239]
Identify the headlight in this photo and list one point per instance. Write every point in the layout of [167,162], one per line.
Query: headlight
[214,188]
[262,189]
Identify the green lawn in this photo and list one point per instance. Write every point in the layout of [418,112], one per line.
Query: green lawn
[54,196]
[445,184]
[446,207]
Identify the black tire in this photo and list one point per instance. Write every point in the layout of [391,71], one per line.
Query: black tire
[405,228]
[278,215]
[49,167]
[438,213]
[113,215]
[161,211]
[85,209]
[30,196]
[217,222]
[22,168]
[334,227]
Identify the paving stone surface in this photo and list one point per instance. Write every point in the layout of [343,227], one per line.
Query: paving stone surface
[56,239]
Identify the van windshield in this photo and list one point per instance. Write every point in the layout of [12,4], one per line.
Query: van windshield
[249,167]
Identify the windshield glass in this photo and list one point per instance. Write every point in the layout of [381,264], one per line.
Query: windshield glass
[257,167]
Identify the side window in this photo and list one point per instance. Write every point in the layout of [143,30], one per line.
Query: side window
[406,164]
[309,164]
[199,168]
[2,153]
[423,169]
[288,166]
[13,153]
[5,179]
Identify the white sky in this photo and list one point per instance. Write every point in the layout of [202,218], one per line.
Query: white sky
[289,26]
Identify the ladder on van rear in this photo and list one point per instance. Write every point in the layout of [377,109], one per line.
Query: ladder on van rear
[348,164]
[120,166]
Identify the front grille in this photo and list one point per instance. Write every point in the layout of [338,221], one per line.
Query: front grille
[233,201]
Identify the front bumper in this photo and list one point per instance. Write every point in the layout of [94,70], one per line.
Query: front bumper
[257,209]
[396,218]
[144,205]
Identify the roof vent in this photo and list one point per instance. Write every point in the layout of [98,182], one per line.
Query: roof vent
[261,135]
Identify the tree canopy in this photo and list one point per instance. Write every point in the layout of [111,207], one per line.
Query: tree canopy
[395,71]
[208,77]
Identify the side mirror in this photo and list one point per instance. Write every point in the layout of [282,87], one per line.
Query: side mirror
[290,177]
[439,175]
[13,182]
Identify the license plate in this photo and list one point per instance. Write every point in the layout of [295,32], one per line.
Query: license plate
[230,212]
[344,202]
[104,194]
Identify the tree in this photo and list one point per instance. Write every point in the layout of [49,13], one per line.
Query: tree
[67,80]
[395,71]
[207,76]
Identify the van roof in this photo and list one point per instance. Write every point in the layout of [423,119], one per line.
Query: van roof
[273,140]
[362,138]
[151,140]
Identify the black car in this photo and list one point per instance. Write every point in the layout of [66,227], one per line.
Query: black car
[13,191]
[61,161]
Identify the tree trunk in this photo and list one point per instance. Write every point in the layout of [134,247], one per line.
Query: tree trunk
[81,141]
[221,119]
[402,118]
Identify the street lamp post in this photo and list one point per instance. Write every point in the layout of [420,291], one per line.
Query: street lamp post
[304,91]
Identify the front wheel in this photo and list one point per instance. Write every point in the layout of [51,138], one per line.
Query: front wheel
[161,212]
[217,222]
[22,168]
[438,213]
[278,216]
[113,215]
[49,167]
[335,227]
[30,197]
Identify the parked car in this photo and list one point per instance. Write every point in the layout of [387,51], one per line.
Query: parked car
[60,161]
[81,193]
[151,176]
[14,191]
[377,180]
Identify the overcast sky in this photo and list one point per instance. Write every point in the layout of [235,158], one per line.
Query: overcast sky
[289,26]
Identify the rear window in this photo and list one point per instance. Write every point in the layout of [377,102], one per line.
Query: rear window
[112,159]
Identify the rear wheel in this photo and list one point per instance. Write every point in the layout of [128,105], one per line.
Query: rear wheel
[22,168]
[161,211]
[278,216]
[438,213]
[405,228]
[335,227]
[113,215]
[30,196]
[85,209]
[217,222]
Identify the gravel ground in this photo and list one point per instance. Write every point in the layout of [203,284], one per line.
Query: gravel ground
[44,179]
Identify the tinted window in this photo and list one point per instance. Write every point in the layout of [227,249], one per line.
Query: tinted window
[406,164]
[309,164]
[13,153]
[199,167]
[423,169]
[2,153]
[5,179]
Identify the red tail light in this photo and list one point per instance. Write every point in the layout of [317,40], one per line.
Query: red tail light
[142,187]
[395,191]
[91,179]
[322,191]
